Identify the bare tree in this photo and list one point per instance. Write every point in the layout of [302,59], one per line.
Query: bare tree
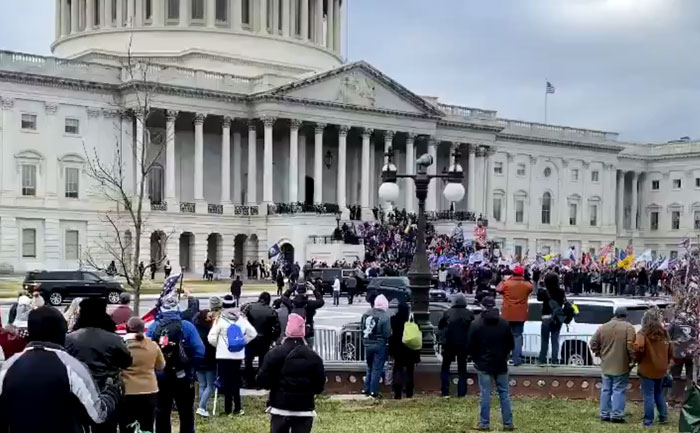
[125,192]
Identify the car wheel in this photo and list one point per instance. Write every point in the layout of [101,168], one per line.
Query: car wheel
[55,299]
[113,297]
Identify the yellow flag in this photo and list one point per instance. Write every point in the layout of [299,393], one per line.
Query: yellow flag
[548,257]
[626,262]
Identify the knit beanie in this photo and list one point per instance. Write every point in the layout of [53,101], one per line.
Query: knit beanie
[228,302]
[296,326]
[215,303]
[381,303]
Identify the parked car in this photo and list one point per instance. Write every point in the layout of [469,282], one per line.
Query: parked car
[57,286]
[391,287]
[349,278]
[438,295]
[574,338]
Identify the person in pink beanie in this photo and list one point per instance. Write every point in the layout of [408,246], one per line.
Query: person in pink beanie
[294,374]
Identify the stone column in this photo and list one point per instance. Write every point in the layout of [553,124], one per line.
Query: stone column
[58,19]
[286,23]
[237,168]
[138,160]
[226,160]
[633,211]
[74,16]
[236,15]
[318,30]
[89,15]
[209,13]
[342,168]
[263,17]
[431,201]
[507,200]
[294,160]
[488,199]
[158,10]
[479,191]
[531,208]
[471,187]
[268,122]
[365,178]
[337,21]
[130,15]
[170,197]
[184,13]
[409,186]
[52,165]
[318,163]
[120,13]
[301,172]
[252,160]
[621,201]
[304,20]
[65,18]
[329,25]
[199,157]
[276,16]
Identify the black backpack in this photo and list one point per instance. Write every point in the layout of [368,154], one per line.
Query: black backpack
[171,340]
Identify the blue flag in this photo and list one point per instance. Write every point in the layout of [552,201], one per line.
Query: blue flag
[273,251]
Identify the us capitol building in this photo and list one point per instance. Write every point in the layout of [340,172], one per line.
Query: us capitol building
[254,108]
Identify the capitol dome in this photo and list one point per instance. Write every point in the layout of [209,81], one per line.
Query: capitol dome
[289,38]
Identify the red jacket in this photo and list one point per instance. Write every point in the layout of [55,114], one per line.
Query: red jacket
[515,292]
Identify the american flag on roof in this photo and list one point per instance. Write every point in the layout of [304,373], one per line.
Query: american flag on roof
[550,88]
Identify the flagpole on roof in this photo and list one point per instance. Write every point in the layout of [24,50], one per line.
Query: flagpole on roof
[546,94]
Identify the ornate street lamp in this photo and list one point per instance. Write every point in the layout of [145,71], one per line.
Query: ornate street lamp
[419,274]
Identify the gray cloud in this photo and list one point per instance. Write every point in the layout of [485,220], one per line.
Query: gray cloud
[619,65]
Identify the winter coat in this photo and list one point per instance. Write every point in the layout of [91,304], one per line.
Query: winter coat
[554,293]
[490,342]
[264,320]
[194,347]
[402,354]
[294,374]
[104,353]
[375,327]
[455,324]
[515,292]
[12,340]
[218,335]
[121,314]
[304,307]
[653,357]
[236,288]
[140,377]
[44,389]
[613,343]
[208,362]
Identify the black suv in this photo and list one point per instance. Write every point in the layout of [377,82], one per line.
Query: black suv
[57,286]
[349,278]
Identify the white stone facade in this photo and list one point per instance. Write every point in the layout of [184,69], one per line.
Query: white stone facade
[256,107]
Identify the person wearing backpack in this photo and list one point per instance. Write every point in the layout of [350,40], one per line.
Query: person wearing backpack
[405,358]
[182,348]
[265,321]
[230,334]
[294,375]
[376,330]
[553,299]
[454,327]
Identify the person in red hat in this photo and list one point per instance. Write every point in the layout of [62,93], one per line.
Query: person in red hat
[515,291]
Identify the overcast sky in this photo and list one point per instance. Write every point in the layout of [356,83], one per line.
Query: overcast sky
[630,66]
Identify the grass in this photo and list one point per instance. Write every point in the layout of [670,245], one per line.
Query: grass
[437,415]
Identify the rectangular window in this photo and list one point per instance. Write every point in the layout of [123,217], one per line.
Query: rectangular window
[245,11]
[71,247]
[28,243]
[149,9]
[654,220]
[29,180]
[221,11]
[595,175]
[29,122]
[594,215]
[498,167]
[521,170]
[519,211]
[573,208]
[675,220]
[72,182]
[673,255]
[676,184]
[497,201]
[655,185]
[174,10]
[72,126]
[574,174]
[696,216]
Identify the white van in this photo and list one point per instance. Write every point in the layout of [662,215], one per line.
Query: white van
[575,337]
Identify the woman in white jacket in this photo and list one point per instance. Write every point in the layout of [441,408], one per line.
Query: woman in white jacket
[228,364]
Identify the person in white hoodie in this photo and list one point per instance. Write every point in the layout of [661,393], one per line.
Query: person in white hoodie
[228,363]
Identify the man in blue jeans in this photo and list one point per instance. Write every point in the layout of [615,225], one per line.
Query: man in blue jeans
[613,342]
[490,342]
[552,298]
[376,330]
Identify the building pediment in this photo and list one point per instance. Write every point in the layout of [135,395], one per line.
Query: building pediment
[356,86]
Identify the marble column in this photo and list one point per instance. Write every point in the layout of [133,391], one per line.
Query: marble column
[620,201]
[65,18]
[304,31]
[237,169]
[479,191]
[120,13]
[236,15]
[488,199]
[388,139]
[286,23]
[431,201]
[252,161]
[633,212]
[158,11]
[365,167]
[508,199]
[471,187]
[318,28]
[337,27]
[263,17]
[268,122]
[531,203]
[130,13]
[294,160]
[139,152]
[342,167]
[184,20]
[226,160]
[199,157]
[209,13]
[409,186]
[302,168]
[74,16]
[330,25]
[318,163]
[170,197]
[276,17]
[58,19]
[89,15]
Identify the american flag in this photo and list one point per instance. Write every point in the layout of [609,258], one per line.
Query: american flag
[550,88]
[606,249]
[168,286]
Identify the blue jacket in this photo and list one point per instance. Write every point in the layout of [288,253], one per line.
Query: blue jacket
[193,342]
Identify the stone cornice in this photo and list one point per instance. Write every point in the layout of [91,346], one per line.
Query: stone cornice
[562,142]
[473,126]
[55,82]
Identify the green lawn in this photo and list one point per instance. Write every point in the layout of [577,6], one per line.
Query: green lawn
[436,415]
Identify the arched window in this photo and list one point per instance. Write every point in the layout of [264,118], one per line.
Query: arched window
[156,184]
[546,208]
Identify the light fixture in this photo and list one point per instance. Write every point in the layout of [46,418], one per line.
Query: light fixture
[389,190]
[454,190]
[328,159]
